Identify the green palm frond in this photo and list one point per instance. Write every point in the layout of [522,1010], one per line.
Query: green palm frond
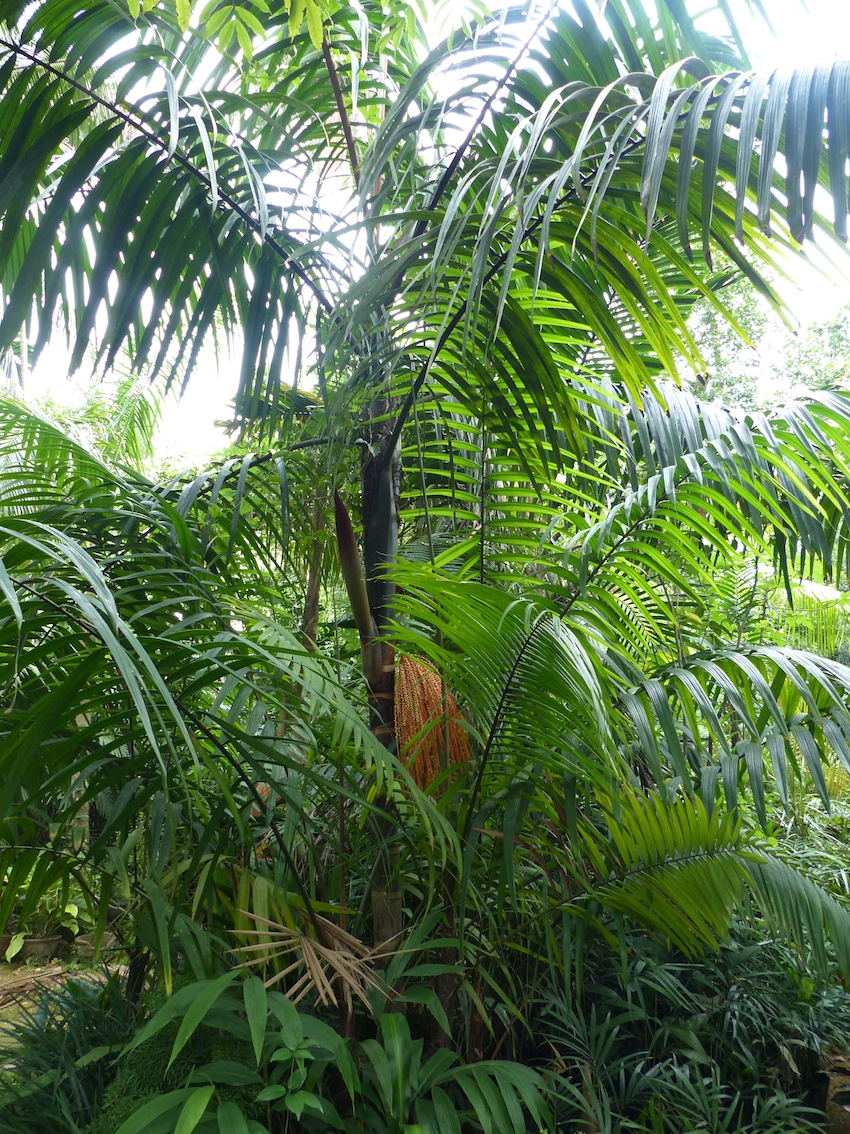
[497,264]
[531,682]
[129,685]
[558,686]
[776,487]
[670,866]
[685,874]
[40,463]
[802,912]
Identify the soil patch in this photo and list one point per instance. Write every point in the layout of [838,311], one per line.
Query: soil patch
[21,986]
[837,1118]
[26,982]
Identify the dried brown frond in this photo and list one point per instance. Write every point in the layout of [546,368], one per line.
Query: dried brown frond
[317,966]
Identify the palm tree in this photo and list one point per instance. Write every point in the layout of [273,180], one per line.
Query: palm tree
[476,255]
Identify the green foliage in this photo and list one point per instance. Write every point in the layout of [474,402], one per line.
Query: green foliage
[735,372]
[59,1056]
[150,637]
[654,1042]
[117,420]
[820,358]
[401,1090]
[771,364]
[61,908]
[561,210]
[143,1076]
[477,256]
[263,1058]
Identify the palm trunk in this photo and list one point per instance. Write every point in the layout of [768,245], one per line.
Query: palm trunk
[371,593]
[380,476]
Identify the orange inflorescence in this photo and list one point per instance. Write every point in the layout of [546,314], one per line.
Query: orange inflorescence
[418,702]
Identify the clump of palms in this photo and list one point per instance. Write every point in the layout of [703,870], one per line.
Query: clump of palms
[460,278]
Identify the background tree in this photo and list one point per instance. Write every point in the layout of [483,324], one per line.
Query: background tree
[775,363]
[820,358]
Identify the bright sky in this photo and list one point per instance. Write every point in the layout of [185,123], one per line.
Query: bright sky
[801,37]
[806,32]
[817,35]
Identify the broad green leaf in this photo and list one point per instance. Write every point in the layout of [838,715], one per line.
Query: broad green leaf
[314,22]
[256,1009]
[148,1115]
[193,1110]
[184,14]
[231,1120]
[206,995]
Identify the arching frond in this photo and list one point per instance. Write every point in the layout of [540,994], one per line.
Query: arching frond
[153,210]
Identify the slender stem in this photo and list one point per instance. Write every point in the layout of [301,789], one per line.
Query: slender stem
[255,462]
[452,167]
[460,152]
[310,443]
[342,109]
[646,514]
[501,709]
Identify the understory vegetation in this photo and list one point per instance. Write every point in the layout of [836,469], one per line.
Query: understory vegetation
[467,749]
